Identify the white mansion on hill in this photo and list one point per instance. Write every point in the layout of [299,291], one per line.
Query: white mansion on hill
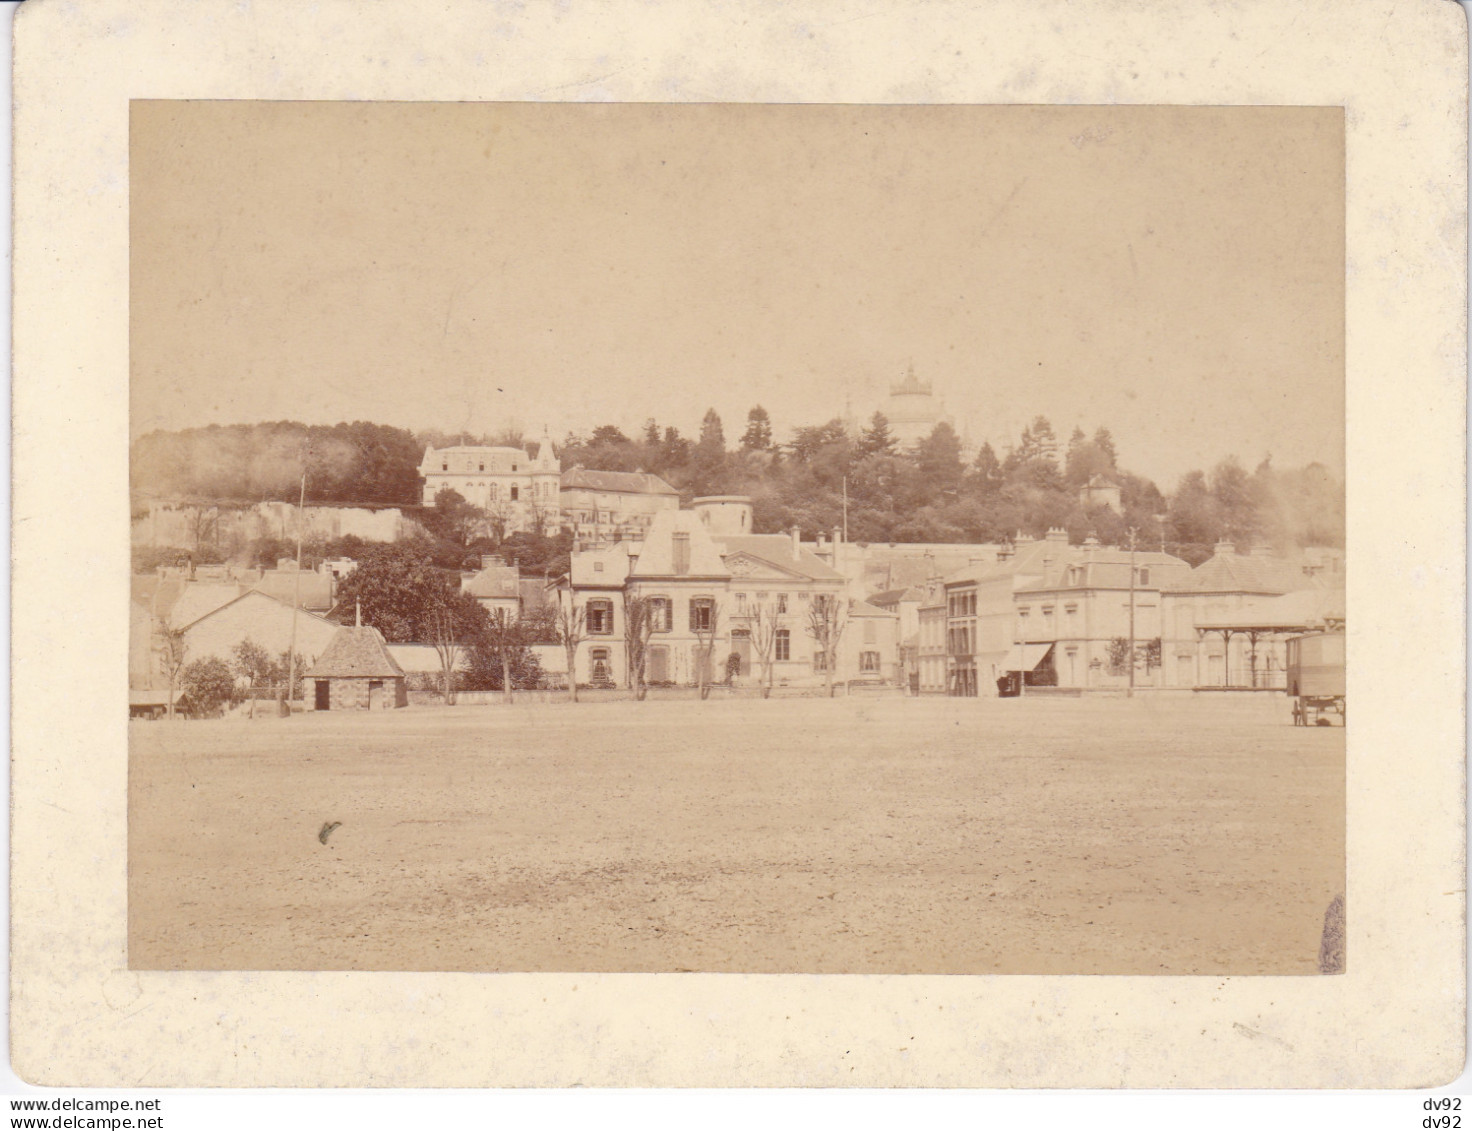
[531,492]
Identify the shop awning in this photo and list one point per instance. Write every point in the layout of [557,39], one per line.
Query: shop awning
[1026,657]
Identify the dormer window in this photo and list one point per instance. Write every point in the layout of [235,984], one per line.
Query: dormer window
[597,567]
[445,466]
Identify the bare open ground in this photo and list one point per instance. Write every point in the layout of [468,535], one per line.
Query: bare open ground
[847,836]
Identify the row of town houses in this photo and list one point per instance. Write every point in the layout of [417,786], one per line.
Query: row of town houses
[960,620]
[1047,613]
[933,619]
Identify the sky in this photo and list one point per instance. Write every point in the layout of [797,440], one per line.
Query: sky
[1175,274]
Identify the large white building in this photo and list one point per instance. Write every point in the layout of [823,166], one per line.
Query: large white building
[521,489]
[526,492]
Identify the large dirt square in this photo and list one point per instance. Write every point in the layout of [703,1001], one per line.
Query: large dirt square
[849,836]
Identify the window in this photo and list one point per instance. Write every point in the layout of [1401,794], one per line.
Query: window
[702,614]
[445,466]
[1143,575]
[482,466]
[870,632]
[600,617]
[868,661]
[515,491]
[661,614]
[1075,574]
[597,567]
[784,644]
[495,490]
[682,562]
[513,467]
[820,661]
[781,602]
[741,604]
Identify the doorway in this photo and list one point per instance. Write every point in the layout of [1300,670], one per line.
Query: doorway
[659,664]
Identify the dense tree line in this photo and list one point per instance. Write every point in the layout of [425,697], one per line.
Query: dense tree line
[928,492]
[349,464]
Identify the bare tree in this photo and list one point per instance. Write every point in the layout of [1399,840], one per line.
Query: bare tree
[505,636]
[452,625]
[826,622]
[705,631]
[762,624]
[638,627]
[572,626]
[173,652]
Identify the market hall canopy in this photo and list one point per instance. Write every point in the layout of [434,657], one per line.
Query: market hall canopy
[1302,611]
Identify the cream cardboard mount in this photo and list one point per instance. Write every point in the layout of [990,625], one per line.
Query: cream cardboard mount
[80,1016]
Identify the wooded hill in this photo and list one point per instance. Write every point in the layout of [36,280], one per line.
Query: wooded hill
[926,493]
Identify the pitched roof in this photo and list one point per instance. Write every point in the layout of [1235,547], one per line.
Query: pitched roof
[623,482]
[864,609]
[657,551]
[259,596]
[355,653]
[494,581]
[199,599]
[1236,573]
[776,549]
[316,588]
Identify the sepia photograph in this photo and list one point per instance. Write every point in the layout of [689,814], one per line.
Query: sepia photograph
[737,538]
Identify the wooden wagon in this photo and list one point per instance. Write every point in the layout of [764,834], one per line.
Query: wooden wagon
[1316,678]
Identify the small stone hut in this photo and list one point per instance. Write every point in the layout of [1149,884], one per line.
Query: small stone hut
[357,673]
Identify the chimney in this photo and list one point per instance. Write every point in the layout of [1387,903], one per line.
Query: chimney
[1263,552]
[796,542]
[1225,548]
[491,561]
[1057,534]
[1091,543]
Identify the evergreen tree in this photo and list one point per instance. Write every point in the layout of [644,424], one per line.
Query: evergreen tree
[709,460]
[758,434]
[675,450]
[651,433]
[986,472]
[876,439]
[1104,444]
[938,458]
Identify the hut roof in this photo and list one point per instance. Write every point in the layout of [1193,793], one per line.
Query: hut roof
[355,653]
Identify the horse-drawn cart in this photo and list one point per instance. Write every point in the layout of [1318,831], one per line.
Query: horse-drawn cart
[1316,678]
